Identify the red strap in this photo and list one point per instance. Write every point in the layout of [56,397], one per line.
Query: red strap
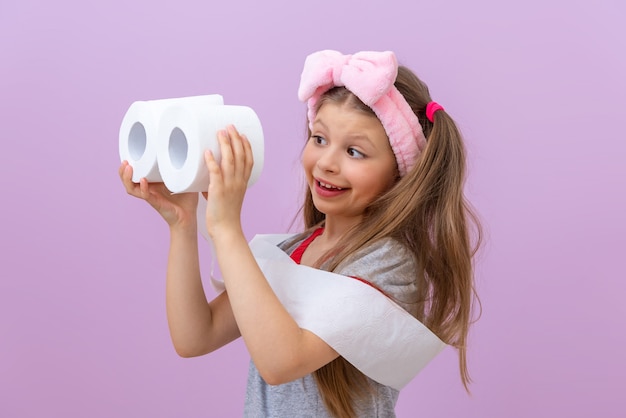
[296,256]
[370,284]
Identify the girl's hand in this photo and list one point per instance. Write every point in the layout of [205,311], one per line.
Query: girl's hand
[178,210]
[228,181]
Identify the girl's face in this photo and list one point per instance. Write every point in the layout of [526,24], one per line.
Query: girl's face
[348,161]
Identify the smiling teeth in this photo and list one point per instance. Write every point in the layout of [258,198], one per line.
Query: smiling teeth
[329,186]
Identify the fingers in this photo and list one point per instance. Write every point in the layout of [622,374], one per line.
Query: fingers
[212,166]
[120,171]
[237,158]
[144,192]
[126,175]
[141,189]
[227,162]
[243,152]
[249,160]
[236,143]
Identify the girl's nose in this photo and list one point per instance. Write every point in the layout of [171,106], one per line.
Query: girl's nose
[328,161]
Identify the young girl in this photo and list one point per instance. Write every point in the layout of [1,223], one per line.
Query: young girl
[384,212]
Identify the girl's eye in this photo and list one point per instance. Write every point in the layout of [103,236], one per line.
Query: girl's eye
[318,140]
[355,154]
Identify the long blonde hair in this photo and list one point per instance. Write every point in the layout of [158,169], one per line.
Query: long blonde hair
[427,212]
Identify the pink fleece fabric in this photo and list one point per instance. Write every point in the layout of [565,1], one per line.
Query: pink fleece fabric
[370,76]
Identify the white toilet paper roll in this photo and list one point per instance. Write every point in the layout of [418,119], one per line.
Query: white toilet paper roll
[186,131]
[139,128]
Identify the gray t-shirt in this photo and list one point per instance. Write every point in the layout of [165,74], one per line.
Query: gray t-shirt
[389,266]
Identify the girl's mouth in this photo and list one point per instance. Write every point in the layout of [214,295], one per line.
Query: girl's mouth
[328,190]
[328,186]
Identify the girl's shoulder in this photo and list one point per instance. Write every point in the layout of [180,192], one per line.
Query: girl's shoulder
[390,266]
[293,242]
[387,264]
[383,254]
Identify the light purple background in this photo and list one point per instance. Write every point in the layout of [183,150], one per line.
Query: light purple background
[538,88]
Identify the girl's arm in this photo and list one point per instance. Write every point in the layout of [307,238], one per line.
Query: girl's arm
[196,326]
[280,349]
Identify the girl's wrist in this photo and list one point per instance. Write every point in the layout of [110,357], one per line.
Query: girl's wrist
[184,228]
[226,235]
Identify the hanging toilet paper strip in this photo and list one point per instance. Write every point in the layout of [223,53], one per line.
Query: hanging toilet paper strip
[365,327]
[216,284]
[139,129]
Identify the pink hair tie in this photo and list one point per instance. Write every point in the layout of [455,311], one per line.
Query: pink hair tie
[370,76]
[431,108]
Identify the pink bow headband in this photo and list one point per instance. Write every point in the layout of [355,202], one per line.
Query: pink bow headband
[370,76]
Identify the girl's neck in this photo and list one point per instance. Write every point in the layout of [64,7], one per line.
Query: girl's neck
[334,229]
[326,241]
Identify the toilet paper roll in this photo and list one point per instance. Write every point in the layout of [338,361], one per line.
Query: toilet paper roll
[139,128]
[186,131]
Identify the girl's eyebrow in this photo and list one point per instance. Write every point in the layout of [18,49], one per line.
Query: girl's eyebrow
[361,140]
[318,121]
[356,136]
